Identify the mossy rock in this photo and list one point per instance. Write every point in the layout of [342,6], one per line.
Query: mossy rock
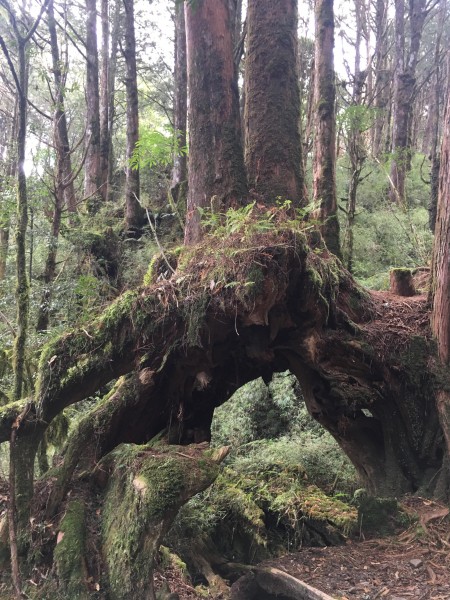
[146,489]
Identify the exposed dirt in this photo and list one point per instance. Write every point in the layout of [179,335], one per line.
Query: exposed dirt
[413,564]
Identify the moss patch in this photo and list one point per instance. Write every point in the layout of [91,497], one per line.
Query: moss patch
[69,555]
[147,488]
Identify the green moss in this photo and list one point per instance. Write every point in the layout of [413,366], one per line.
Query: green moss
[402,273]
[146,490]
[158,264]
[376,515]
[69,554]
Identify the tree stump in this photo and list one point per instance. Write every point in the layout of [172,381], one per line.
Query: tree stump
[401,282]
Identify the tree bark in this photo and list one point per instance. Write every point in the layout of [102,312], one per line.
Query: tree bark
[22,284]
[324,177]
[179,171]
[64,191]
[93,189]
[104,98]
[440,318]
[273,155]
[111,95]
[10,173]
[441,256]
[133,209]
[61,134]
[404,89]
[216,168]
[382,78]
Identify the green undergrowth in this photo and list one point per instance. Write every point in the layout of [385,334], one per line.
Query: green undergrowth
[274,494]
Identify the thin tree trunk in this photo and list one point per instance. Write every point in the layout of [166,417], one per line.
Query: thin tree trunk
[434,121]
[324,170]
[382,78]
[64,189]
[179,171]
[9,176]
[111,95]
[133,209]
[273,153]
[12,517]
[404,88]
[93,189]
[104,98]
[61,135]
[22,285]
[216,167]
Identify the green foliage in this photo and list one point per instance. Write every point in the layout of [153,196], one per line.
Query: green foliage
[391,238]
[270,489]
[385,234]
[253,218]
[155,148]
[356,117]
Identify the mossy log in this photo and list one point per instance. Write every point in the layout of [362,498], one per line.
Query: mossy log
[234,311]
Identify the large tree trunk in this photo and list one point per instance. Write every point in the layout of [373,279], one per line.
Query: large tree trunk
[366,380]
[273,154]
[440,321]
[324,177]
[216,168]
[365,365]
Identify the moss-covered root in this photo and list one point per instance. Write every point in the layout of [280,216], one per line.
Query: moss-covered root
[147,486]
[69,555]
[87,441]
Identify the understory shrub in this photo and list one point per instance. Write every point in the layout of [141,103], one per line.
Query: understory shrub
[275,493]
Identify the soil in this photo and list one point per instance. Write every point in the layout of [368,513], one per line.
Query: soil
[413,564]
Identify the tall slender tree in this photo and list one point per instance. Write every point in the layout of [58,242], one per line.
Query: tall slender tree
[273,154]
[9,167]
[179,170]
[93,189]
[133,209]
[216,168]
[406,59]
[381,88]
[324,178]
[104,96]
[63,185]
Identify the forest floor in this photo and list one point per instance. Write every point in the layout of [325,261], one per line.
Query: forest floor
[413,564]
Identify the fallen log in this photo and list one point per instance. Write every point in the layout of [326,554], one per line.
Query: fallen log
[265,583]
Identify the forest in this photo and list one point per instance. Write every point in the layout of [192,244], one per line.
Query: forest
[224,299]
